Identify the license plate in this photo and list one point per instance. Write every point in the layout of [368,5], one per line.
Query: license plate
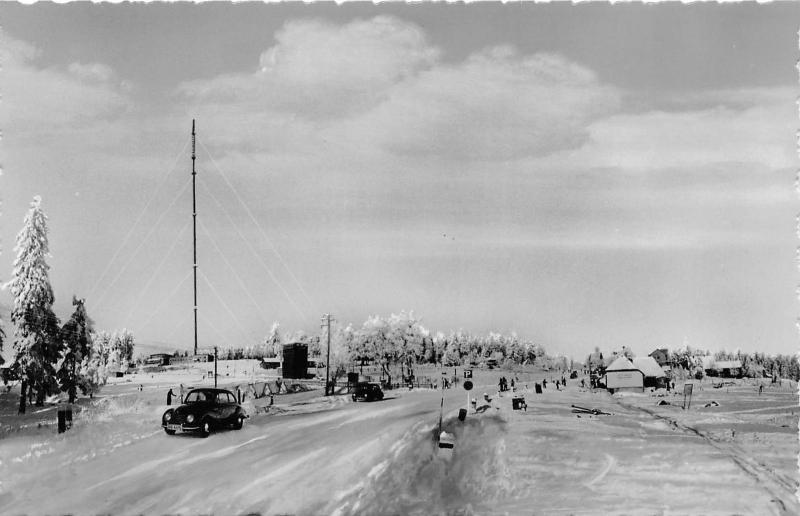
[173,427]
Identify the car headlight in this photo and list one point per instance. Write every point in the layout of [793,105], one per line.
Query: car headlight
[189,418]
[167,416]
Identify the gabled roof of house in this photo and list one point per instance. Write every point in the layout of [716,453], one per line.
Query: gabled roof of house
[648,366]
[620,364]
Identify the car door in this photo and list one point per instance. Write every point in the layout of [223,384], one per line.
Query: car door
[227,405]
[215,406]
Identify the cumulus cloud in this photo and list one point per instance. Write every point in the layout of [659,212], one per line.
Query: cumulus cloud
[753,127]
[317,70]
[497,105]
[379,84]
[39,100]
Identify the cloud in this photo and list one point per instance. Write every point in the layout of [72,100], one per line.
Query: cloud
[496,105]
[754,127]
[378,85]
[40,101]
[317,70]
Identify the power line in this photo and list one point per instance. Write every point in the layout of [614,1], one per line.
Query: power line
[257,255]
[176,328]
[233,269]
[166,299]
[224,304]
[142,241]
[138,219]
[214,328]
[263,233]
[157,270]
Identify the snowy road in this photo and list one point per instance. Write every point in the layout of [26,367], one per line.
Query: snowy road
[331,456]
[296,462]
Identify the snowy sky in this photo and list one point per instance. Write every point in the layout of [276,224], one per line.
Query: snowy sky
[582,175]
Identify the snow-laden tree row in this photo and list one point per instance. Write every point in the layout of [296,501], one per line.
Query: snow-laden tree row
[400,341]
[48,357]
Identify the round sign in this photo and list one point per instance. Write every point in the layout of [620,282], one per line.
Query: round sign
[467,385]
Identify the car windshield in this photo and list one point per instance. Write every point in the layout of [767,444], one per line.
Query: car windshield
[195,396]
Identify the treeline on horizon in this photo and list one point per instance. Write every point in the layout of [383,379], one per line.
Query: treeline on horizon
[400,340]
[754,364]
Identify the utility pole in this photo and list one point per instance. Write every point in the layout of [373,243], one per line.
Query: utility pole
[326,320]
[194,245]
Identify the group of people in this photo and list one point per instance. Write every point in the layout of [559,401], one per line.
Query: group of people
[503,384]
[171,394]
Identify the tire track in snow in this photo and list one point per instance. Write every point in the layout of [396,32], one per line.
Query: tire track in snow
[222,452]
[610,463]
[280,472]
[145,466]
[782,492]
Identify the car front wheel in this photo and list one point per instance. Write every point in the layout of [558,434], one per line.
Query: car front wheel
[205,428]
[237,425]
[169,432]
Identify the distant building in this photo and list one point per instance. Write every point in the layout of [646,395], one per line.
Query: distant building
[728,368]
[661,356]
[159,359]
[654,375]
[295,360]
[271,363]
[622,375]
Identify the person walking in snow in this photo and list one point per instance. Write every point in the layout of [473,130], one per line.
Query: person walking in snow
[182,392]
[170,394]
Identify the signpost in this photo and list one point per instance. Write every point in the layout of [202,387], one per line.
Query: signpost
[467,386]
[687,391]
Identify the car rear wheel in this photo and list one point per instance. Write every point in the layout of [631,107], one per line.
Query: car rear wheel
[205,428]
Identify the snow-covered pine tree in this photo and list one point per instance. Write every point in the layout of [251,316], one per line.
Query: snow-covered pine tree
[36,328]
[77,339]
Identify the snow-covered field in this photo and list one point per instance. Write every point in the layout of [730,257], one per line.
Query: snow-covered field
[316,455]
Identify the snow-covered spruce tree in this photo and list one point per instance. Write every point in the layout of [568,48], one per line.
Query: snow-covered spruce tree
[77,339]
[36,328]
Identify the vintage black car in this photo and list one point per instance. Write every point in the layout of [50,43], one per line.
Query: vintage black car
[368,392]
[204,410]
